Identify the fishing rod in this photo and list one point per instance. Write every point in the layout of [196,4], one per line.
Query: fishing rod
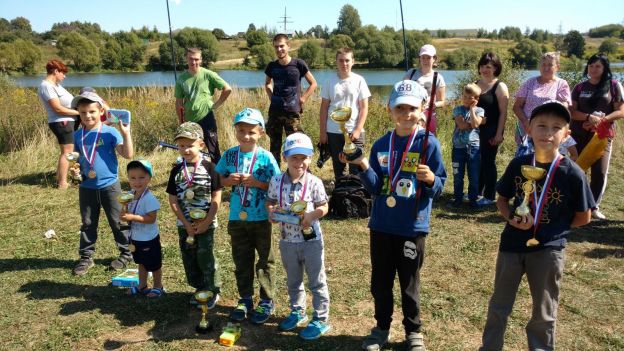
[425,143]
[173,59]
[404,40]
[175,147]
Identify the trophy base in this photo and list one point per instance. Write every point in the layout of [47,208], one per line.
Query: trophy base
[205,330]
[353,155]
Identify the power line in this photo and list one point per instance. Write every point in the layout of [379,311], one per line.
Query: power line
[284,20]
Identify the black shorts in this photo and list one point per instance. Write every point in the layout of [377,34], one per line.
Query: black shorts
[64,132]
[148,253]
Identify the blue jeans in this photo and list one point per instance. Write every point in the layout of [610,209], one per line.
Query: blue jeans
[466,158]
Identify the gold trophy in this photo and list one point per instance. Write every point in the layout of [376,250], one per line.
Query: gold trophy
[72,158]
[124,199]
[294,216]
[196,214]
[202,298]
[532,174]
[341,115]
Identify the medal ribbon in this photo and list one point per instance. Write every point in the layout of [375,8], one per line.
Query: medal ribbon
[303,192]
[187,178]
[391,160]
[543,198]
[90,157]
[242,193]
[136,205]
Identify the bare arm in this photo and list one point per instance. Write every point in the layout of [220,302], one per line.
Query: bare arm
[519,112]
[618,112]
[225,93]
[580,219]
[502,95]
[268,86]
[145,219]
[126,150]
[475,119]
[323,114]
[440,97]
[60,109]
[310,79]
[362,114]
[318,212]
[461,123]
[179,107]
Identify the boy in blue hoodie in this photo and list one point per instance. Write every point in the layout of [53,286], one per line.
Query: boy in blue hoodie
[397,238]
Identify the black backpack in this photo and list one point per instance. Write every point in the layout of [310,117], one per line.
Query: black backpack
[349,198]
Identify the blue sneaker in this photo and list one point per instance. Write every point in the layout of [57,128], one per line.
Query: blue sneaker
[263,312]
[239,313]
[295,318]
[314,330]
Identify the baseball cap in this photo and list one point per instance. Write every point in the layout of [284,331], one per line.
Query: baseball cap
[249,116]
[297,144]
[86,95]
[407,92]
[427,49]
[142,163]
[552,107]
[189,130]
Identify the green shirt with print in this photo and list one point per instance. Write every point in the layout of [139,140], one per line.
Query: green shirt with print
[197,91]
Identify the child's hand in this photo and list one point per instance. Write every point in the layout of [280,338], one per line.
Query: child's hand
[124,129]
[202,226]
[74,171]
[271,209]
[190,228]
[358,161]
[522,222]
[306,221]
[424,174]
[125,216]
[248,180]
[234,178]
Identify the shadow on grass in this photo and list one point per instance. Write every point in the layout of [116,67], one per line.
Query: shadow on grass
[173,317]
[22,264]
[607,232]
[42,179]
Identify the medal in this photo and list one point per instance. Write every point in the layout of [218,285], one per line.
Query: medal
[90,157]
[189,194]
[92,174]
[132,248]
[242,215]
[390,201]
[543,198]
[243,190]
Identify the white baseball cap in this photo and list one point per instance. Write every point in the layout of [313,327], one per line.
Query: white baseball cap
[297,144]
[407,92]
[427,49]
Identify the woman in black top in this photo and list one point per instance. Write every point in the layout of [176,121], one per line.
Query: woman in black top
[494,100]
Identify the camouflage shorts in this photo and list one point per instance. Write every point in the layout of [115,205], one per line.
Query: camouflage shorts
[289,122]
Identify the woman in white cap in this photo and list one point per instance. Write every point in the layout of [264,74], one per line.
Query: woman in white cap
[424,76]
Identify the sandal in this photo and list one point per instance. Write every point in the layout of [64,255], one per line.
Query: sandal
[157,292]
[135,291]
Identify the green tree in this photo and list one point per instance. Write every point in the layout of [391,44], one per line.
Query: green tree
[199,38]
[28,55]
[310,52]
[609,30]
[415,40]
[510,33]
[132,50]
[349,20]
[111,54]
[79,49]
[574,43]
[526,53]
[21,24]
[380,48]
[340,41]
[256,37]
[263,54]
[164,53]
[220,34]
[9,60]
[462,58]
[609,46]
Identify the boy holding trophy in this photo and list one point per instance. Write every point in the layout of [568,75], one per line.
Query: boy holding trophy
[194,196]
[98,146]
[248,168]
[551,196]
[297,200]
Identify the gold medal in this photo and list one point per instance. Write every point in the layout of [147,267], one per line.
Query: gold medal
[390,201]
[189,194]
[132,248]
[91,174]
[242,215]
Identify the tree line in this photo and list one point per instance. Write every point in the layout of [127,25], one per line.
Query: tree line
[86,47]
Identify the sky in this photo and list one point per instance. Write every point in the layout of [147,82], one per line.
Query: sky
[235,16]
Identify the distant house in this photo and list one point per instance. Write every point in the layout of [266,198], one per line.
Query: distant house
[53,42]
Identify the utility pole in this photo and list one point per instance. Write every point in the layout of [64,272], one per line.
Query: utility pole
[284,20]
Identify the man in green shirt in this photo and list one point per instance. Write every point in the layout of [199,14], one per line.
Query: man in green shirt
[194,91]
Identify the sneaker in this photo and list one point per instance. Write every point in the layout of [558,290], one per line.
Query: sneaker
[456,203]
[263,312]
[597,215]
[485,202]
[415,342]
[212,302]
[83,265]
[314,330]
[239,313]
[376,339]
[296,318]
[120,262]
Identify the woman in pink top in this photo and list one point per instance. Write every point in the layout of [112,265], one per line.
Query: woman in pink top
[534,92]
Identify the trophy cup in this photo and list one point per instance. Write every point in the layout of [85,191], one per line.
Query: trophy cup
[294,216]
[341,116]
[202,298]
[124,199]
[72,158]
[196,214]
[532,174]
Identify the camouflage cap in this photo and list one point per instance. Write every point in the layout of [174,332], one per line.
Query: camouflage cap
[189,130]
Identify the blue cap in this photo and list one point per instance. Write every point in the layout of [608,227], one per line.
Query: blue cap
[142,163]
[249,116]
[297,144]
[407,92]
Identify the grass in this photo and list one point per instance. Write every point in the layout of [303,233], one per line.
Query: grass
[45,307]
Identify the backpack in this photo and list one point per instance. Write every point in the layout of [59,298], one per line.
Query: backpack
[349,198]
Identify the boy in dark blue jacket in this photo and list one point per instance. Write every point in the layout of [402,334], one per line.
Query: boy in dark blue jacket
[397,241]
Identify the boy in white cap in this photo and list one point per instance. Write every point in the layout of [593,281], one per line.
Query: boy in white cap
[301,245]
[399,221]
